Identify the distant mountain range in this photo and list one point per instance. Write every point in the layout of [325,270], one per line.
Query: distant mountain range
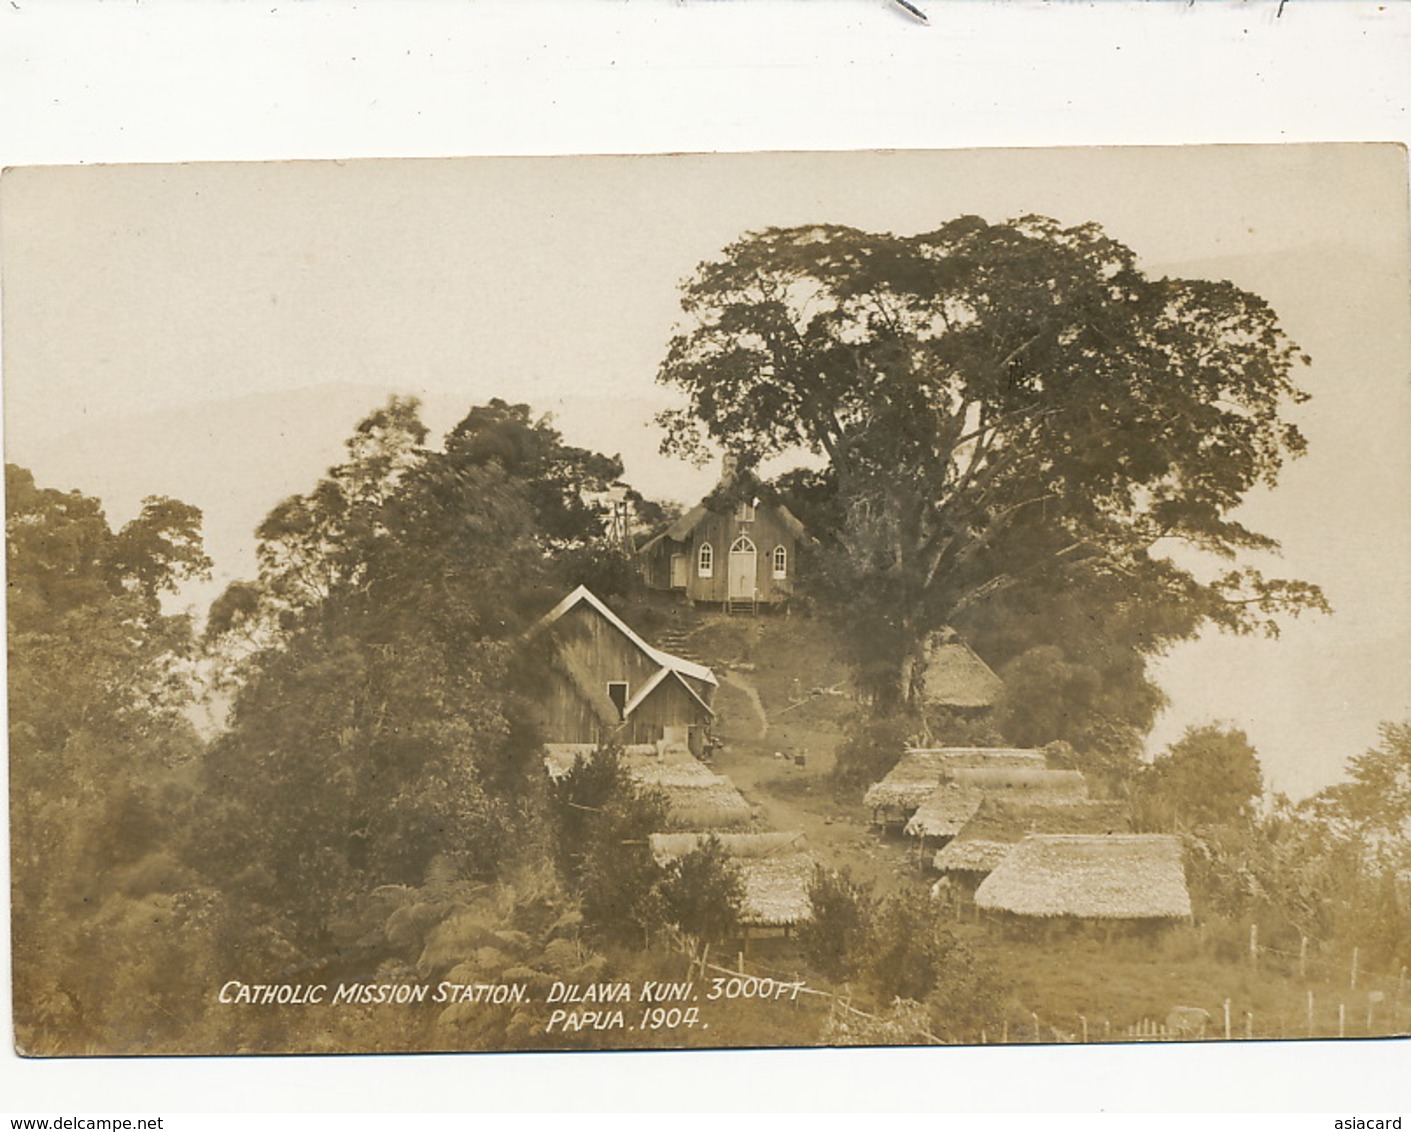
[236,459]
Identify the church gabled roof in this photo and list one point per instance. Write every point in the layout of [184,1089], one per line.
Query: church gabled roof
[729,485]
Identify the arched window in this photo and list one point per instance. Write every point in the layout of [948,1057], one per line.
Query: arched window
[742,545]
[781,562]
[705,564]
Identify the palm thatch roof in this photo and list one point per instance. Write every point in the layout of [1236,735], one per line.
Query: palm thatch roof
[1010,818]
[776,889]
[970,856]
[1108,877]
[907,784]
[1036,786]
[920,770]
[560,757]
[696,798]
[956,677]
[668,846]
[945,811]
[958,758]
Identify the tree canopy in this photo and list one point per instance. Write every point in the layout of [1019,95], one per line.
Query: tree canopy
[99,676]
[377,665]
[1000,406]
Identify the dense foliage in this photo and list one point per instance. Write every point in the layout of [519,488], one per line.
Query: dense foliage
[100,753]
[1008,412]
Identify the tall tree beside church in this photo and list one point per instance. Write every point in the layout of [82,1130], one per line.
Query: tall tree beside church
[999,406]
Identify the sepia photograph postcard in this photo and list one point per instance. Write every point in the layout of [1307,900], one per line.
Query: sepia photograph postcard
[722,601]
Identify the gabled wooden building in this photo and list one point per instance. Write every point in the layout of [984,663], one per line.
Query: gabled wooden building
[738,548]
[604,683]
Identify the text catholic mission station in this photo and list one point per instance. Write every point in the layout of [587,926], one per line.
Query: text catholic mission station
[493,994]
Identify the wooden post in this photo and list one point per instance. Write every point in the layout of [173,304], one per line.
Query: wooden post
[1227,1019]
[1302,956]
[1342,1020]
[1084,1021]
[1354,968]
[1106,1028]
[1310,1014]
[1248,1025]
[1035,1017]
[1254,945]
[984,1038]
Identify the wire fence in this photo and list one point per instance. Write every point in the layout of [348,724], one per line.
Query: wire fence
[1347,1001]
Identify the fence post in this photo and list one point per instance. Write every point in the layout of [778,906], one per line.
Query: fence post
[1227,1019]
[1254,945]
[1084,1021]
[1354,968]
[1037,1036]
[1248,1025]
[1310,1014]
[1004,1034]
[1342,1020]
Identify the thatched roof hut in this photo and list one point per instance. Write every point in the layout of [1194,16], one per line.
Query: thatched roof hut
[1037,785]
[560,757]
[667,847]
[1010,818]
[907,784]
[697,797]
[776,889]
[774,869]
[954,758]
[971,856]
[955,677]
[945,811]
[920,770]
[1090,877]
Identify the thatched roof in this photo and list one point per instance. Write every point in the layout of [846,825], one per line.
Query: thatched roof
[1036,786]
[1108,877]
[945,811]
[970,856]
[776,889]
[668,846]
[1011,818]
[920,770]
[908,783]
[957,758]
[696,797]
[560,757]
[956,677]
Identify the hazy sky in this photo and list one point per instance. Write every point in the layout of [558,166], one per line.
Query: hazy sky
[140,298]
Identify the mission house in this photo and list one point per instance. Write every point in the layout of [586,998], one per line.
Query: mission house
[735,549]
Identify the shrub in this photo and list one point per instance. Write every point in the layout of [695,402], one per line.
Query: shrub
[835,937]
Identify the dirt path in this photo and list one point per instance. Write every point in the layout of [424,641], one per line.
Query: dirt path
[789,797]
[747,686]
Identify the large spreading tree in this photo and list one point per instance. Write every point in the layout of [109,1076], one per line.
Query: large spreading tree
[1002,409]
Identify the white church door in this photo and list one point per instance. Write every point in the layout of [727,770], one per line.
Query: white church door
[742,569]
